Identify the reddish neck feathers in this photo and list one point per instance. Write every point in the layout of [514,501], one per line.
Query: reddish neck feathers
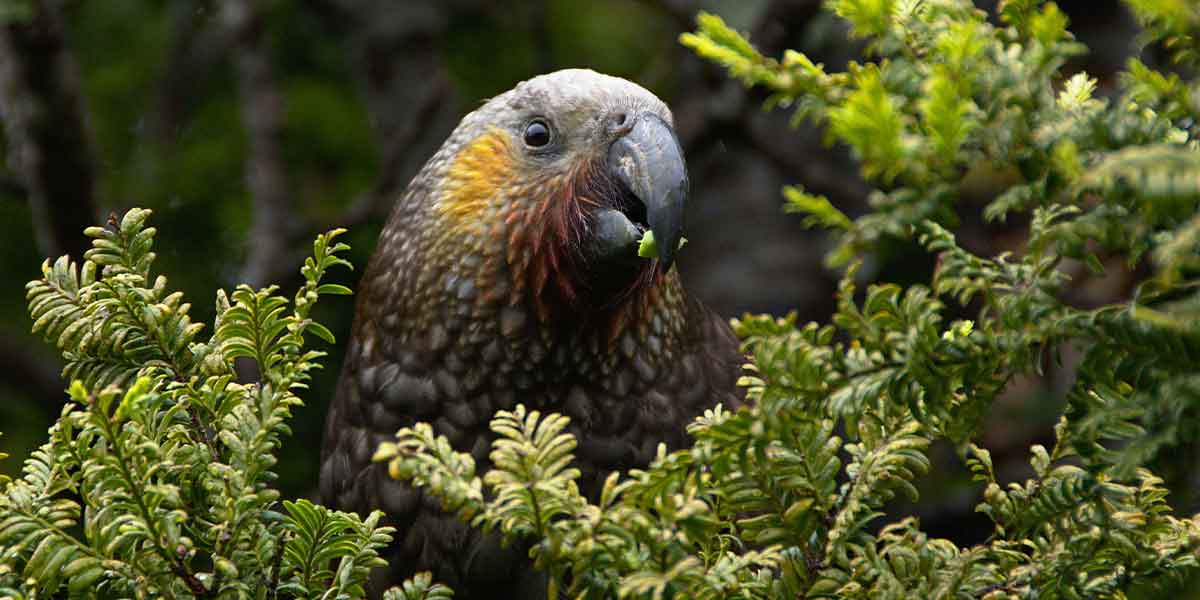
[553,268]
[557,233]
[531,230]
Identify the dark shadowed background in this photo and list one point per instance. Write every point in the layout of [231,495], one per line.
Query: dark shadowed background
[250,126]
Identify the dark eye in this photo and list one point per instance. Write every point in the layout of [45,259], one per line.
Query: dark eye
[537,134]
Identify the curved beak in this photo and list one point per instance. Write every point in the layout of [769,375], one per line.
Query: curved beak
[649,162]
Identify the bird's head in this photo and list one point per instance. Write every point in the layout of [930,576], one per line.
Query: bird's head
[557,180]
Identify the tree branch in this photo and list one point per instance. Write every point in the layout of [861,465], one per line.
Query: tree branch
[397,150]
[262,116]
[49,144]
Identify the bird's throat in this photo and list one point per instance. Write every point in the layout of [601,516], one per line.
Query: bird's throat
[540,235]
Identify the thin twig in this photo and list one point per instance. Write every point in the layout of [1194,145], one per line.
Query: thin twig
[277,564]
[137,495]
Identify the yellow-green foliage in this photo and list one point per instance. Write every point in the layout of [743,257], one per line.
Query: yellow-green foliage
[785,498]
[156,480]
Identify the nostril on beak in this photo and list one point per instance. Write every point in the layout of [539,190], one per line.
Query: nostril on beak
[620,122]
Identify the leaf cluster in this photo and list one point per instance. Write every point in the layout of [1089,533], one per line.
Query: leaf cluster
[156,481]
[792,496]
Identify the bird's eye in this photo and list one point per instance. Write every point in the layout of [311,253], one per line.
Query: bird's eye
[537,134]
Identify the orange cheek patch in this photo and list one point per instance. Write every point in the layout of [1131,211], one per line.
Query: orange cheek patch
[477,178]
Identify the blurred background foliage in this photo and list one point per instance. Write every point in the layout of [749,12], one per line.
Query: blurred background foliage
[250,126]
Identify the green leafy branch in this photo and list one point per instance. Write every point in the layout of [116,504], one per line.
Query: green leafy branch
[163,488]
[795,494]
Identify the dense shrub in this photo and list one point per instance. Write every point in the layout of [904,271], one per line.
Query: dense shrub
[784,499]
[156,480]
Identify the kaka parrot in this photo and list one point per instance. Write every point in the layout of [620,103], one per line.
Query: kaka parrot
[508,272]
